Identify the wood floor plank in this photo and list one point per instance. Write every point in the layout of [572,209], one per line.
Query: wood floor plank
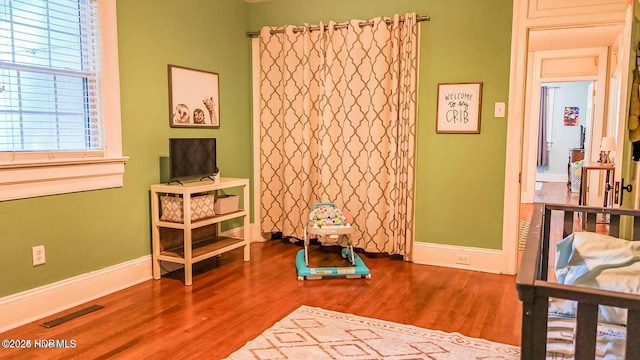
[232,302]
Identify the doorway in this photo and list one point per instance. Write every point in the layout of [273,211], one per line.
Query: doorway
[574,81]
[565,116]
[586,28]
[564,125]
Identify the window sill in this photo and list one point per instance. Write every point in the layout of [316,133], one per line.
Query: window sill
[62,176]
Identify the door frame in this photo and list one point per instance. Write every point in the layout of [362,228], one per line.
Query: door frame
[531,126]
[521,26]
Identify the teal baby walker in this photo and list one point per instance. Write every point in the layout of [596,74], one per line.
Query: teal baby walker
[327,221]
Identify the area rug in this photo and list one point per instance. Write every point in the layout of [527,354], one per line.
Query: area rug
[315,333]
[524,232]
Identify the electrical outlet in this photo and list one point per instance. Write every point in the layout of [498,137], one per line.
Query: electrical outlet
[463,259]
[38,255]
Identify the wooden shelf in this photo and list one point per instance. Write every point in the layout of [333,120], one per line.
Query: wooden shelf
[212,247]
[183,248]
[203,222]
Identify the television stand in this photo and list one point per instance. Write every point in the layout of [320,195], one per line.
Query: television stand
[189,249]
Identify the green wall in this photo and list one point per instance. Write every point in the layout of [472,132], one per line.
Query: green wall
[87,231]
[460,178]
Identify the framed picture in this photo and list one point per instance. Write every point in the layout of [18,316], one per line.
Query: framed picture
[458,108]
[571,116]
[194,98]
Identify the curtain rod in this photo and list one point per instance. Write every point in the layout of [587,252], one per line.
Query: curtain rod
[252,34]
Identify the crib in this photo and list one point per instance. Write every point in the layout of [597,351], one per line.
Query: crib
[537,288]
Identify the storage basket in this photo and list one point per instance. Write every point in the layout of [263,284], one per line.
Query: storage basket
[172,208]
[226,204]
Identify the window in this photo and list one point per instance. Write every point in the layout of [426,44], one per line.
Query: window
[50,73]
[59,123]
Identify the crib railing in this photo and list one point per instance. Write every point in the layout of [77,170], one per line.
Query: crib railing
[534,289]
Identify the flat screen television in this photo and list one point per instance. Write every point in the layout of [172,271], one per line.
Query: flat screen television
[192,159]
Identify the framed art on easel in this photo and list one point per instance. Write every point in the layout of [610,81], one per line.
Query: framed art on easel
[193,98]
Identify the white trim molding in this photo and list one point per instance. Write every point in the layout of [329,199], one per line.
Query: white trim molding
[24,182]
[550,14]
[32,174]
[238,233]
[31,305]
[485,260]
[548,177]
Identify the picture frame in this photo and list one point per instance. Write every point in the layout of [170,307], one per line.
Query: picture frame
[459,108]
[194,98]
[571,116]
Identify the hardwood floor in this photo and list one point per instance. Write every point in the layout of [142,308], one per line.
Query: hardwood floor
[550,192]
[555,193]
[231,302]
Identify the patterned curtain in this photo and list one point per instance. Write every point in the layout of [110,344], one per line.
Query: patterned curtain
[338,123]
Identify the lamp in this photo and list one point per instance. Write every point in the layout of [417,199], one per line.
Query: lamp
[608,144]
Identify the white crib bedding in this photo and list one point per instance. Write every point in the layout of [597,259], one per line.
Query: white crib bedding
[610,342]
[601,262]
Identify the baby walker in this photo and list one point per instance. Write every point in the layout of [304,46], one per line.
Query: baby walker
[326,220]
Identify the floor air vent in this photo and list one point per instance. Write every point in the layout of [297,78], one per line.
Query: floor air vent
[63,319]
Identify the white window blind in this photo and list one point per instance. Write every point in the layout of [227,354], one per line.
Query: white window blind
[60,125]
[50,77]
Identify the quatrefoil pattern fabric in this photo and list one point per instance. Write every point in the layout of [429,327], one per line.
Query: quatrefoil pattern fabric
[338,123]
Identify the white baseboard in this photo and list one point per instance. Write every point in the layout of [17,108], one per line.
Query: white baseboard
[545,177]
[31,305]
[237,232]
[256,233]
[485,260]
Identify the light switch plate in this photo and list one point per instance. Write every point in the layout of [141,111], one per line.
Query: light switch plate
[499,110]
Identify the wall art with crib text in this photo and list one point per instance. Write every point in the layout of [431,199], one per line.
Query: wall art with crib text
[458,108]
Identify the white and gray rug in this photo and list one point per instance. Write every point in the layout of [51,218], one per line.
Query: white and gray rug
[315,333]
